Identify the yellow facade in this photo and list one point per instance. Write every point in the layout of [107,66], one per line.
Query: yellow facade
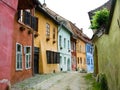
[81,55]
[44,44]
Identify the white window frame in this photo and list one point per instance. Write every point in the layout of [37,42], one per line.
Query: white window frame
[29,57]
[47,29]
[19,53]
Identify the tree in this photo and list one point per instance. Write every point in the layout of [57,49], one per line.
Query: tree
[100,19]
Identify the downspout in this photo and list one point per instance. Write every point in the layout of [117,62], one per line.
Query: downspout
[33,47]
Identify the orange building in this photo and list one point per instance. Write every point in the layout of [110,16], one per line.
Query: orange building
[46,43]
[80,47]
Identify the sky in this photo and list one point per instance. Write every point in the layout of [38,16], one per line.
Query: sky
[75,11]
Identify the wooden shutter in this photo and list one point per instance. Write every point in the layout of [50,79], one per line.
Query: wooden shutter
[34,23]
[27,18]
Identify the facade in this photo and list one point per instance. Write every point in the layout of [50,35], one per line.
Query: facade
[46,41]
[89,58]
[8,9]
[106,49]
[80,48]
[81,55]
[25,23]
[64,47]
[73,52]
[14,39]
[64,41]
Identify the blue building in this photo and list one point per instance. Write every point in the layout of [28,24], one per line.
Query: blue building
[89,58]
[64,47]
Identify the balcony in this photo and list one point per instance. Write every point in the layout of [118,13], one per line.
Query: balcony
[27,19]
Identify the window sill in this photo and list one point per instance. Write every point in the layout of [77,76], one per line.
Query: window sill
[19,69]
[28,68]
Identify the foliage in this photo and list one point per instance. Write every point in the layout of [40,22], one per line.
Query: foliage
[101,84]
[100,19]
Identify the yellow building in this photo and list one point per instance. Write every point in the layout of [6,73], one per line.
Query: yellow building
[46,41]
[81,54]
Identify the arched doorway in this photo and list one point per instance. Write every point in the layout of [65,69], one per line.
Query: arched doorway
[68,65]
[95,60]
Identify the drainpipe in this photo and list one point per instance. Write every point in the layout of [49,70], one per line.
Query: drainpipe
[33,47]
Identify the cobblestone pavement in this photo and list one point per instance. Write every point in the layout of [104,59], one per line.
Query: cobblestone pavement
[57,81]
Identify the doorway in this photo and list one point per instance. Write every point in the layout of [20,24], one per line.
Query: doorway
[36,60]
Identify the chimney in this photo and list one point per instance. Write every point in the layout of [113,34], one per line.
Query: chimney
[44,5]
[81,30]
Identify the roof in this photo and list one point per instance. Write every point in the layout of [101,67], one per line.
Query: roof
[98,33]
[40,9]
[57,17]
[78,32]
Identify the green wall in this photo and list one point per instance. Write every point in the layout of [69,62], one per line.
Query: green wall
[108,50]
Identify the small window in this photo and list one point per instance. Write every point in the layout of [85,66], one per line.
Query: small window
[64,60]
[61,60]
[27,51]
[54,33]
[81,60]
[60,40]
[64,42]
[68,44]
[18,56]
[78,60]
[47,29]
[88,61]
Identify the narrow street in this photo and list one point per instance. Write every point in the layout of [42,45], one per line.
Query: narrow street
[71,81]
[58,81]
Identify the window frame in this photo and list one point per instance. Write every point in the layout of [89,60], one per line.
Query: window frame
[60,40]
[54,34]
[47,29]
[64,42]
[29,57]
[19,53]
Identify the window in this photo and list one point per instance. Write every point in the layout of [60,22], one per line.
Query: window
[64,42]
[91,61]
[68,44]
[25,17]
[27,51]
[18,56]
[47,29]
[54,33]
[60,41]
[64,60]
[81,60]
[61,60]
[78,60]
[88,61]
[53,57]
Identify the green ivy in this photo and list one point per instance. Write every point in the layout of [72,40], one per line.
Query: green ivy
[100,19]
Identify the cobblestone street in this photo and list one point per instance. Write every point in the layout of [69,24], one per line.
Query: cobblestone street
[58,81]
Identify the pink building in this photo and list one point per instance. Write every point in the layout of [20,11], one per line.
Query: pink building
[10,36]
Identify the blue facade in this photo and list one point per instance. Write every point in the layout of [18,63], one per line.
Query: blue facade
[64,47]
[89,58]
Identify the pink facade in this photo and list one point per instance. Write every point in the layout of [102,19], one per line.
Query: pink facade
[7,13]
